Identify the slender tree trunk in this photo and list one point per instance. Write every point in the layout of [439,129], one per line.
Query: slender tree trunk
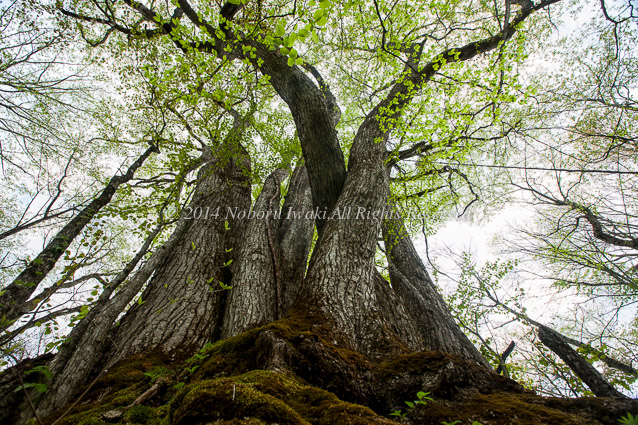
[255,297]
[581,367]
[296,231]
[13,301]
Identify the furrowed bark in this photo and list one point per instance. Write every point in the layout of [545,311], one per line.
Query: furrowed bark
[180,309]
[412,283]
[13,301]
[339,284]
[296,231]
[394,319]
[578,364]
[253,299]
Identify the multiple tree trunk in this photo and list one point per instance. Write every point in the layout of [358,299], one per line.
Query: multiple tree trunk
[184,305]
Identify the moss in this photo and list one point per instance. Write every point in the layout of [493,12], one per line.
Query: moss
[118,388]
[267,396]
[140,414]
[92,412]
[229,357]
[240,354]
[132,371]
[321,407]
[318,381]
[496,409]
[159,371]
[224,398]
[91,421]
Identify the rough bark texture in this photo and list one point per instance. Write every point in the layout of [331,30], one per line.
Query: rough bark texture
[296,230]
[579,365]
[314,122]
[340,281]
[181,307]
[253,299]
[13,301]
[413,286]
[348,331]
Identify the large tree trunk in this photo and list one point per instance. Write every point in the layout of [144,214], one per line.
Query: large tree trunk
[182,307]
[361,314]
[182,301]
[342,286]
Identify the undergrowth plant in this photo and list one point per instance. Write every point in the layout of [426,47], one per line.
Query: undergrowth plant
[423,399]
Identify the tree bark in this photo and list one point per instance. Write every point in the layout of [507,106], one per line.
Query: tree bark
[181,308]
[255,296]
[340,284]
[296,231]
[80,352]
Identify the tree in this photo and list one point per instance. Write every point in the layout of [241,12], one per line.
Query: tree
[229,268]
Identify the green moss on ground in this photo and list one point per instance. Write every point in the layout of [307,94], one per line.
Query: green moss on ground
[496,409]
[224,384]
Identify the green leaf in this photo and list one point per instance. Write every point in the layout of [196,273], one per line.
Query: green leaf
[40,369]
[41,388]
[280,30]
[291,61]
[318,14]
